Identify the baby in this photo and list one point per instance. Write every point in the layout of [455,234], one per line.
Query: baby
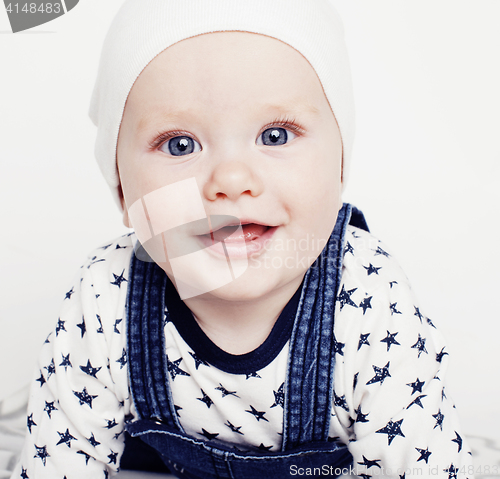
[251,326]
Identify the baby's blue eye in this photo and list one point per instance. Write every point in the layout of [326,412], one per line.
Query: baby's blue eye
[182,145]
[275,136]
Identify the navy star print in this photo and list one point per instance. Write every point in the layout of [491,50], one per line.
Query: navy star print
[197,361]
[416,386]
[84,397]
[439,356]
[41,452]
[392,430]
[264,448]
[123,359]
[371,269]
[340,401]
[439,419]
[393,308]
[66,363]
[380,374]
[92,440]
[418,313]
[205,399]
[99,330]
[88,369]
[417,401]
[424,455]
[360,417]
[87,456]
[380,251]
[458,440]
[279,396]
[118,279]
[65,438]
[112,457]
[177,409]
[389,339]
[41,379]
[452,471]
[82,327]
[368,463]
[366,304]
[363,339]
[349,249]
[31,423]
[338,346]
[225,392]
[117,322]
[258,414]
[208,435]
[51,369]
[174,369]
[60,327]
[49,407]
[94,262]
[235,429]
[111,423]
[420,345]
[345,298]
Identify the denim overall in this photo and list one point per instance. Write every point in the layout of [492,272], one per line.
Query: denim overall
[308,384]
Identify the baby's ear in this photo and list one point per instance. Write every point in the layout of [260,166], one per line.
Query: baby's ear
[126,220]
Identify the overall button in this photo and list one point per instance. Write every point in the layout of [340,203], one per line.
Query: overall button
[157,420]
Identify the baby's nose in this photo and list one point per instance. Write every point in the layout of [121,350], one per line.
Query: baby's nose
[231,179]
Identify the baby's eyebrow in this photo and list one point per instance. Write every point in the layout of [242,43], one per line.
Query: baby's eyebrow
[148,120]
[292,108]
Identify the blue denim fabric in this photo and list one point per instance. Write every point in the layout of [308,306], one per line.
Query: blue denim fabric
[308,384]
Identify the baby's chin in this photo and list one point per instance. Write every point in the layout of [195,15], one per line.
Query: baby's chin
[254,285]
[253,278]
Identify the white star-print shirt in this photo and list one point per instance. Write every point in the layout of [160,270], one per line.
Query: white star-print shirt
[390,404]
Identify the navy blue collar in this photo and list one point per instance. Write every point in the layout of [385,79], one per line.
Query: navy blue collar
[182,318]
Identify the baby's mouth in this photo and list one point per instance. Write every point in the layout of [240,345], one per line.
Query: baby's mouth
[238,238]
[229,234]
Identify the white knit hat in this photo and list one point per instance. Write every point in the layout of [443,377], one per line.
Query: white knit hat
[142,29]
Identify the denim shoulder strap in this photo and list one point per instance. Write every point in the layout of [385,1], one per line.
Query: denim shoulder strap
[146,342]
[309,386]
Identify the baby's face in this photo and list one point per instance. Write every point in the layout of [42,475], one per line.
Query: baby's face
[234,124]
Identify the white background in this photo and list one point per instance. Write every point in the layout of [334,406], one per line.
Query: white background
[425,172]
